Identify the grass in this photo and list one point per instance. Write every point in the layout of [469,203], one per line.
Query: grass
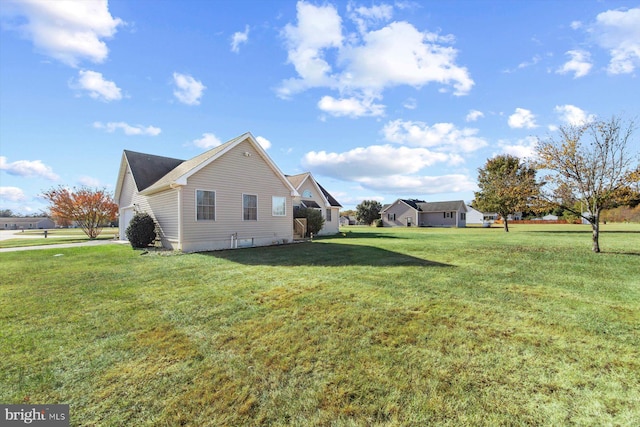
[57,236]
[372,327]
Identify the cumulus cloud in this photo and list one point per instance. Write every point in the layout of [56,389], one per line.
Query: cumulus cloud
[188,90]
[412,185]
[579,64]
[208,140]
[12,194]
[523,148]
[68,31]
[98,88]
[522,118]
[351,107]
[474,115]
[619,32]
[28,169]
[572,115]
[128,129]
[364,64]
[441,136]
[264,142]
[239,38]
[366,164]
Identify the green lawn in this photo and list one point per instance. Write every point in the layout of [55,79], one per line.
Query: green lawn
[57,236]
[373,327]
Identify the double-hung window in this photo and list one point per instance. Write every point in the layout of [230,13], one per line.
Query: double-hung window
[328,215]
[205,205]
[249,207]
[278,206]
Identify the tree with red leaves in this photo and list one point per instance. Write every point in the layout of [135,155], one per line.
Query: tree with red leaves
[90,208]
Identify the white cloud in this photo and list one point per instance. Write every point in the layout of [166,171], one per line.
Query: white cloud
[522,118]
[97,86]
[363,16]
[523,148]
[474,115]
[239,38]
[12,194]
[208,140]
[363,65]
[28,169]
[572,115]
[68,31]
[264,142]
[88,181]
[576,25]
[374,161]
[188,90]
[410,104]
[579,64]
[352,107]
[442,136]
[619,32]
[412,185]
[128,129]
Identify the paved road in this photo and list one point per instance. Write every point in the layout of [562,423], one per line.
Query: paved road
[12,234]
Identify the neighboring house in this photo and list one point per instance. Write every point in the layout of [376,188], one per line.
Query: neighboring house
[348,220]
[474,216]
[413,212]
[26,223]
[312,195]
[231,196]
[550,217]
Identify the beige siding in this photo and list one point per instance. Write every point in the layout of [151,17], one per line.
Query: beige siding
[125,201]
[231,176]
[329,227]
[437,219]
[402,211]
[163,207]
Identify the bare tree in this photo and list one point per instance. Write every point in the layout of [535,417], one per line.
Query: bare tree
[594,162]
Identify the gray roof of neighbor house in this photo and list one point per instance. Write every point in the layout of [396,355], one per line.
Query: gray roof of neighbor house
[332,201]
[442,206]
[414,203]
[148,169]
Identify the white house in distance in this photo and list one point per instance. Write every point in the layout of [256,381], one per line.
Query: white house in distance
[230,196]
[413,212]
[312,195]
[474,216]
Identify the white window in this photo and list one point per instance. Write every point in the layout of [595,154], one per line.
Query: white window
[329,215]
[205,205]
[249,207]
[278,206]
[463,216]
[391,217]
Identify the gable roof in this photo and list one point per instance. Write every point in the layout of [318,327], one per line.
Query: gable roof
[147,168]
[174,172]
[413,203]
[298,180]
[454,205]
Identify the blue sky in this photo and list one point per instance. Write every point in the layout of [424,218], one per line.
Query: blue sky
[379,100]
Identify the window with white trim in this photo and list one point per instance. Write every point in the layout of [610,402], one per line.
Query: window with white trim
[205,205]
[278,206]
[328,215]
[249,207]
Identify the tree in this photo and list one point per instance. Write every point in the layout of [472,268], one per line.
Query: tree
[593,161]
[507,185]
[6,213]
[368,211]
[89,208]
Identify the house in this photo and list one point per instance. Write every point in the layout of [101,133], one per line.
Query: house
[312,195]
[413,212]
[550,217]
[230,196]
[29,223]
[474,216]
[348,220]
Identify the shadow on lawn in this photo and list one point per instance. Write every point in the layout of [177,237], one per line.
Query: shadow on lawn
[322,254]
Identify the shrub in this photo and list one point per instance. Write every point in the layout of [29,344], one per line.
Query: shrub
[141,231]
[315,221]
[379,223]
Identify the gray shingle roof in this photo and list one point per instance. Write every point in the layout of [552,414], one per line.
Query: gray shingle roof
[442,206]
[147,168]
